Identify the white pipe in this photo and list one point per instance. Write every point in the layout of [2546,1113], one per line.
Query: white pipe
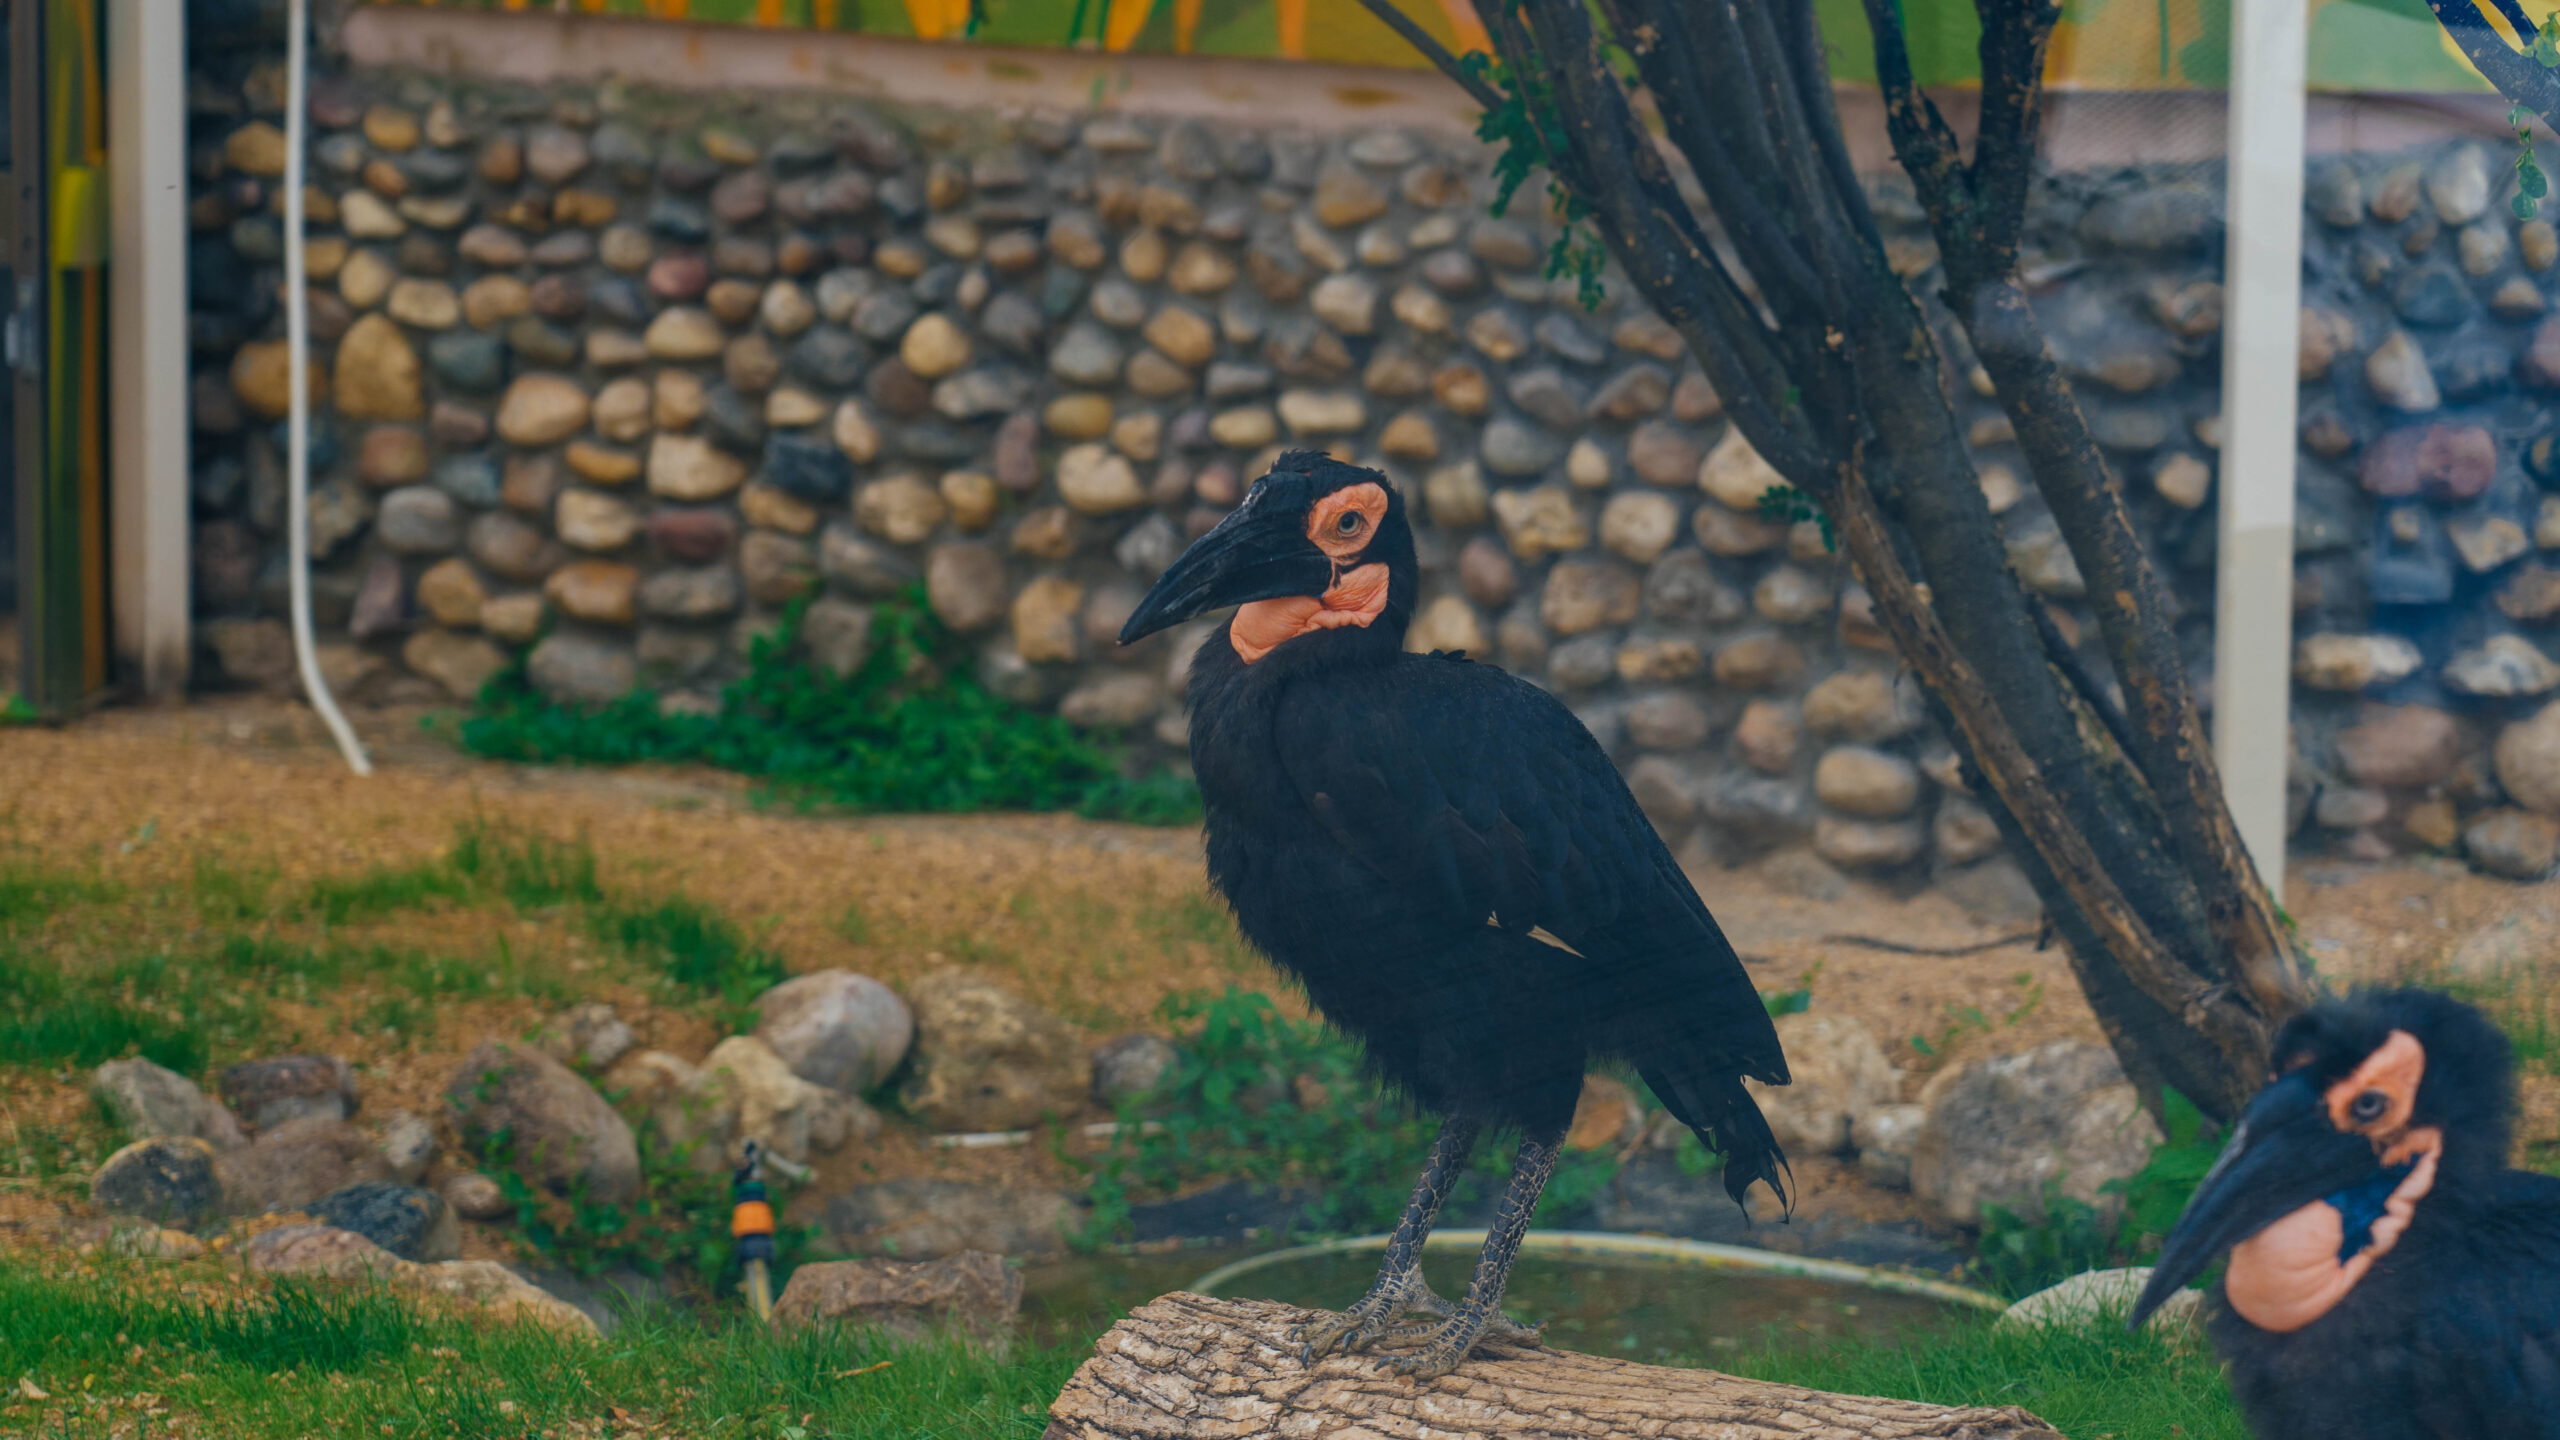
[147,350]
[2262,298]
[297,324]
[1609,1245]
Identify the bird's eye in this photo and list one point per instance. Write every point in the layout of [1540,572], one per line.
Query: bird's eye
[2369,1106]
[1350,523]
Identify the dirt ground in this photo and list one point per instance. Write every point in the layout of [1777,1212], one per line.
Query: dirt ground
[1097,922]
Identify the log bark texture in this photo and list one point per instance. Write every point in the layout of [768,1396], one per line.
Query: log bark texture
[1188,1367]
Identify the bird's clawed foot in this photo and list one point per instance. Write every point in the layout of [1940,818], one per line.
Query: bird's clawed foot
[1406,1314]
[1355,1329]
[1439,1348]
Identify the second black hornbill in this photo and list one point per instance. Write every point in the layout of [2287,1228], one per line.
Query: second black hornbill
[1449,863]
[2390,1277]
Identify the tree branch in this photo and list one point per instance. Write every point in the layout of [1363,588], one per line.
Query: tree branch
[1435,52]
[2014,36]
[2014,775]
[1921,138]
[2518,76]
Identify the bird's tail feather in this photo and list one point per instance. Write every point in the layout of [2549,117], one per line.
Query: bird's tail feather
[1728,1122]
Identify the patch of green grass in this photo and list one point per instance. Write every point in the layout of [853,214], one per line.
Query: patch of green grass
[911,730]
[358,1362]
[29,894]
[182,1009]
[1270,1100]
[484,864]
[226,894]
[694,947]
[49,1017]
[2092,1382]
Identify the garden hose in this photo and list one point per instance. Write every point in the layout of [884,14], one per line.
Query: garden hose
[751,1225]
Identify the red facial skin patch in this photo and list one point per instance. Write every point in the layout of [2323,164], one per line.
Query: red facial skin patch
[1341,525]
[2288,1275]
[1355,599]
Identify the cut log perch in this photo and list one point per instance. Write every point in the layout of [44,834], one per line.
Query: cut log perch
[1188,1367]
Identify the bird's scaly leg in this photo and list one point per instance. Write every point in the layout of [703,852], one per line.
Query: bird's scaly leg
[1400,1278]
[1473,1320]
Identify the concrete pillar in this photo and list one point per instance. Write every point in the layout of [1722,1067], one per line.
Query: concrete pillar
[147,410]
[2262,298]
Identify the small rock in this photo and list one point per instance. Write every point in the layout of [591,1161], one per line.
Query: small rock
[592,1035]
[2400,376]
[168,1179]
[2331,661]
[2507,666]
[2100,1295]
[972,1292]
[934,347]
[151,1102]
[836,1029]
[292,1087]
[744,1092]
[410,1223]
[1839,1073]
[551,1123]
[1095,481]
[2000,1131]
[408,1147]
[985,1060]
[2513,844]
[1867,782]
[541,410]
[2458,185]
[475,1196]
[296,1163]
[2441,462]
[1868,844]
[1883,1137]
[580,669]
[1735,474]
[2401,746]
[1131,1067]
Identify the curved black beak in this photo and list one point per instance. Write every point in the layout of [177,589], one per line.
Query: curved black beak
[2285,1154]
[1257,553]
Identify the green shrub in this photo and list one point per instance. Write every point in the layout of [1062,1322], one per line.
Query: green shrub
[1269,1100]
[912,729]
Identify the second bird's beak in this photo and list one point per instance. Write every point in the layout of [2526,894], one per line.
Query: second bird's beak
[2285,1154]
[1256,553]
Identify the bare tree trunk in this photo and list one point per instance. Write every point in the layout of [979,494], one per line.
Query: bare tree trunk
[1828,366]
[1188,1367]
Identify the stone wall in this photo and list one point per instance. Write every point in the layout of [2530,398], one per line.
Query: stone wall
[615,376]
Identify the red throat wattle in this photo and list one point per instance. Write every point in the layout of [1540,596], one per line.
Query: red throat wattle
[1355,599]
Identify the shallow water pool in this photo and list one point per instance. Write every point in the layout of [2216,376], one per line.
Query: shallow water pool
[1641,1307]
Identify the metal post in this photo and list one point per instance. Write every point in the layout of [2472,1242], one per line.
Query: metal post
[2262,298]
[148,420]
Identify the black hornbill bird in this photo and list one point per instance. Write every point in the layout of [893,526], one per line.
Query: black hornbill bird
[2389,1276]
[1447,861]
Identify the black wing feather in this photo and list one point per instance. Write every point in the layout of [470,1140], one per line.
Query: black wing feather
[1481,797]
